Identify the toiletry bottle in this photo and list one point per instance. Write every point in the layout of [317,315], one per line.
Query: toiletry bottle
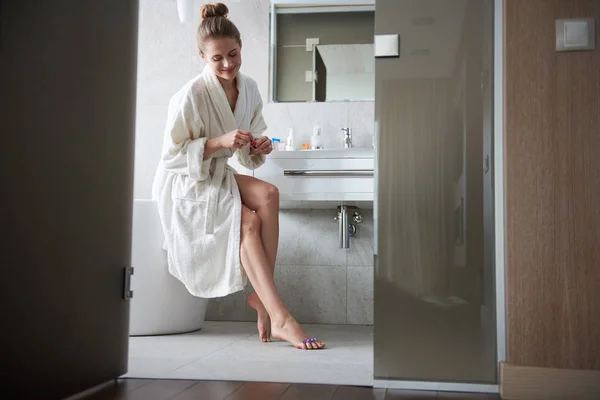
[290,141]
[316,140]
[275,143]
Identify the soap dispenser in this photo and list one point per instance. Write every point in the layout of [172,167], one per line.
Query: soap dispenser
[289,146]
[316,140]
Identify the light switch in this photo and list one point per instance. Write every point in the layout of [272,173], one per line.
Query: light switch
[387,46]
[575,34]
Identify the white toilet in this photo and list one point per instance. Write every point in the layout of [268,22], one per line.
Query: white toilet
[161,304]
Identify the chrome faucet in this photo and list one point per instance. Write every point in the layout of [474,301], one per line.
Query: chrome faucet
[347,138]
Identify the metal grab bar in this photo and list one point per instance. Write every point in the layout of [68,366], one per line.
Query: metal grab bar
[328,172]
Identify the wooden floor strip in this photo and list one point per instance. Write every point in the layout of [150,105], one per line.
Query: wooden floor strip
[147,389]
[259,391]
[300,391]
[209,390]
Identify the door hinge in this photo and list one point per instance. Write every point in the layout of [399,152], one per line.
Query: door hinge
[127,292]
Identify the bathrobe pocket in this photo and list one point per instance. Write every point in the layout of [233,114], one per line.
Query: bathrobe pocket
[205,261]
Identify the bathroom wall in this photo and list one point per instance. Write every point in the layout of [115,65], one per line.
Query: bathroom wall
[552,175]
[552,193]
[318,281]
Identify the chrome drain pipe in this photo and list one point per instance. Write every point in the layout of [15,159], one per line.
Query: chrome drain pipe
[343,223]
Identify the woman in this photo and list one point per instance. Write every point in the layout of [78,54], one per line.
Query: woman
[220,227]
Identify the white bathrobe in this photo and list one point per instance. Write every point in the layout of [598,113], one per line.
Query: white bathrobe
[198,199]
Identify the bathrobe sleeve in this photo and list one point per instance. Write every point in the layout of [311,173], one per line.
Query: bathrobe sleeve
[257,128]
[185,140]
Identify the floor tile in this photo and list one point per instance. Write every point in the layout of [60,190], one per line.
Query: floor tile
[214,336]
[342,348]
[155,368]
[231,351]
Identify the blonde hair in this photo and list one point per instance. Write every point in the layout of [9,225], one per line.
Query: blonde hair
[215,25]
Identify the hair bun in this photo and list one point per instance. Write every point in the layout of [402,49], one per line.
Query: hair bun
[214,10]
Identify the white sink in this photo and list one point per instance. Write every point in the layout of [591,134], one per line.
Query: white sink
[315,178]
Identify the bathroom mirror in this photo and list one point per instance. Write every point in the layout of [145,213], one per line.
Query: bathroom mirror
[322,51]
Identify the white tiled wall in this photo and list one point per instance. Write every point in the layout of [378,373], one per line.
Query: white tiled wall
[318,281]
[332,117]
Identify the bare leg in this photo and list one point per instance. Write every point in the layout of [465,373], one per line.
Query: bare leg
[257,266]
[263,198]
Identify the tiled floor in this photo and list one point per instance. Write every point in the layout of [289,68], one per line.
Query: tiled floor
[231,351]
[140,389]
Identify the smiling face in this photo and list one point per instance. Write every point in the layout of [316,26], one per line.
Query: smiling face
[223,56]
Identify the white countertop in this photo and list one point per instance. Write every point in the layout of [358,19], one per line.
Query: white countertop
[325,153]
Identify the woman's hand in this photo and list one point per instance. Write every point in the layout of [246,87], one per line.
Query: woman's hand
[262,145]
[235,139]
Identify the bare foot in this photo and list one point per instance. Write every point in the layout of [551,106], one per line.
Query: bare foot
[290,331]
[264,322]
